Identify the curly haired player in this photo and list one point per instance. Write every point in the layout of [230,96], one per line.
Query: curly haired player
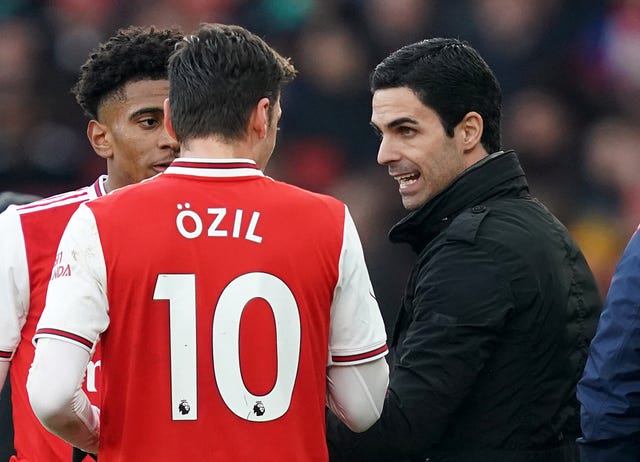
[122,87]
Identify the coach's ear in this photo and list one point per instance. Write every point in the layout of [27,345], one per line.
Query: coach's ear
[167,120]
[99,137]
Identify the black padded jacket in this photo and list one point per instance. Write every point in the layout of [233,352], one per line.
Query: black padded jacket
[493,332]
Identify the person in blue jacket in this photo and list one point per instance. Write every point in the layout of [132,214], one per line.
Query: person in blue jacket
[609,391]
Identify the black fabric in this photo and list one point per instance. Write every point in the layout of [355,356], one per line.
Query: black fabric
[493,331]
[625,449]
[6,423]
[79,455]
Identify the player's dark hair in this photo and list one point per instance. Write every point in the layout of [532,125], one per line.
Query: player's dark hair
[131,55]
[450,77]
[217,76]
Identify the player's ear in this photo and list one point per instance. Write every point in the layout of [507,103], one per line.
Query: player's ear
[259,119]
[99,138]
[167,119]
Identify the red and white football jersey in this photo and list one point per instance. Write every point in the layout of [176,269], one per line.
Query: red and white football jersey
[30,237]
[220,296]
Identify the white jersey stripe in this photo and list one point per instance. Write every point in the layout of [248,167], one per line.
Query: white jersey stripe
[227,173]
[80,195]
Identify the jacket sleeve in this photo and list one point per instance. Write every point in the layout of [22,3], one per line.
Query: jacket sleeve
[611,450]
[609,391]
[460,303]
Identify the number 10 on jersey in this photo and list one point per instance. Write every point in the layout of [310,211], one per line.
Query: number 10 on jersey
[180,291]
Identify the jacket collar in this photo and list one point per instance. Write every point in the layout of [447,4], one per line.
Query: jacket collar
[499,174]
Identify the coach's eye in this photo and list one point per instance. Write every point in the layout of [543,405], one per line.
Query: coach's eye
[406,131]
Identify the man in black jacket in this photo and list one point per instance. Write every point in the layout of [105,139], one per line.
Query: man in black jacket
[500,306]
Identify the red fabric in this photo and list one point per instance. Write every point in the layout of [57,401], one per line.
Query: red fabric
[42,228]
[301,238]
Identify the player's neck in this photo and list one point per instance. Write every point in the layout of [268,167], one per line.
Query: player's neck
[215,148]
[112,183]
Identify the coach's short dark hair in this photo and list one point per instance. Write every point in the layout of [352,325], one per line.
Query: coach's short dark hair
[217,76]
[450,77]
[131,55]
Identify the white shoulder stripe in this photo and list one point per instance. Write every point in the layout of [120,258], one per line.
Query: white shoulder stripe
[60,200]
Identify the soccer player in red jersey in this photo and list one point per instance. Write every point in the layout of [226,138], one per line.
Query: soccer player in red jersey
[122,87]
[231,308]
[8,198]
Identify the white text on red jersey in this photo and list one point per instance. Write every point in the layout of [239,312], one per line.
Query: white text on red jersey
[218,222]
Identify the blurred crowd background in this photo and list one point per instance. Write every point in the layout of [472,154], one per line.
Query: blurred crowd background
[569,70]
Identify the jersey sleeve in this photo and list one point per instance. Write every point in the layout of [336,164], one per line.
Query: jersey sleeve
[14,282]
[357,333]
[76,309]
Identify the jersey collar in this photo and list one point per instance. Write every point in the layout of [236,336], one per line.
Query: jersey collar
[98,189]
[214,168]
